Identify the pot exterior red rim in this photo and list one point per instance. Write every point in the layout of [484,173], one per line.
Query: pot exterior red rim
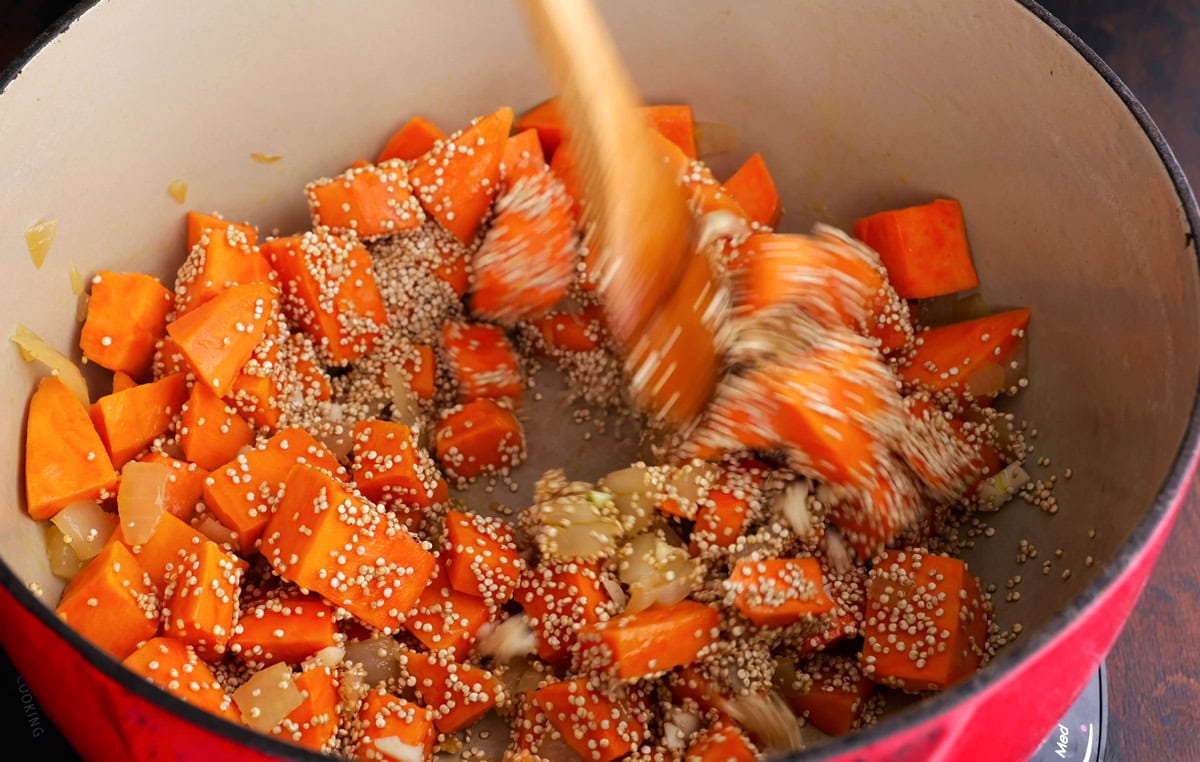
[109,713]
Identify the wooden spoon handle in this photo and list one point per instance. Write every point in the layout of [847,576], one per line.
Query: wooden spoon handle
[658,293]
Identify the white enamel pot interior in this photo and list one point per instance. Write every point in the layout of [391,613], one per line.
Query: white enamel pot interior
[1073,204]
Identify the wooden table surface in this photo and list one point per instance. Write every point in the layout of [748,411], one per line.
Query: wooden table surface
[1154,678]
[1154,683]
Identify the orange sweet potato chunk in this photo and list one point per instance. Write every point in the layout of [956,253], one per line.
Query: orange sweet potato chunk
[111,602]
[126,315]
[355,555]
[65,459]
[174,666]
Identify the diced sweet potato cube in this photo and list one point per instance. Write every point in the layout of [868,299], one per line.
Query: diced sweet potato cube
[316,721]
[835,702]
[330,541]
[482,361]
[457,180]
[221,255]
[126,316]
[368,201]
[560,599]
[779,591]
[201,601]
[173,665]
[387,721]
[65,460]
[129,421]
[723,742]
[415,138]
[591,723]
[111,602]
[287,628]
[389,466]
[219,336]
[924,248]
[243,493]
[480,437]
[446,619]
[481,556]
[458,693]
[160,556]
[966,359]
[210,430]
[651,641]
[329,290]
[926,623]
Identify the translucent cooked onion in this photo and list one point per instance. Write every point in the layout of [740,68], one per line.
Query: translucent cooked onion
[34,348]
[769,719]
[508,640]
[679,728]
[268,697]
[656,572]
[85,526]
[997,490]
[582,527]
[404,402]
[633,495]
[379,657]
[140,499]
[690,483]
[64,564]
[792,505]
[211,527]
[713,138]
[38,238]
[330,656]
[393,748]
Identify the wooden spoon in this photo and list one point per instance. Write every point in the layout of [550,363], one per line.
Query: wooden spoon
[660,295]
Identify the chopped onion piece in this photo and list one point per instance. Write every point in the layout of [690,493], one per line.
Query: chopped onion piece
[508,640]
[616,593]
[265,158]
[178,190]
[268,697]
[212,528]
[837,553]
[715,137]
[78,286]
[394,748]
[34,348]
[679,728]
[379,657]
[632,494]
[330,656]
[38,238]
[64,563]
[85,526]
[656,572]
[769,719]
[997,490]
[140,499]
[404,406]
[579,526]
[793,505]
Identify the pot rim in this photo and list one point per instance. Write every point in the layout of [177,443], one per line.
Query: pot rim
[1168,497]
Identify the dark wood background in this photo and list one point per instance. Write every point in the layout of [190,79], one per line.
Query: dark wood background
[1154,677]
